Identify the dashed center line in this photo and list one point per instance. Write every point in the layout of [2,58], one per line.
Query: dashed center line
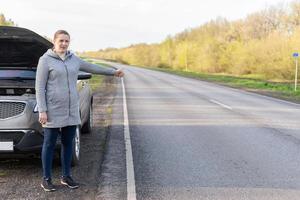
[131,193]
[221,104]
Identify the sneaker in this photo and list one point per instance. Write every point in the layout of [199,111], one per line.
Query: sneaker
[68,181]
[47,185]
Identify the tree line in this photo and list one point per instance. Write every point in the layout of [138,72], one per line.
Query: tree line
[260,45]
[5,22]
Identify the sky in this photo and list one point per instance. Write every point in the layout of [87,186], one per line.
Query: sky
[99,24]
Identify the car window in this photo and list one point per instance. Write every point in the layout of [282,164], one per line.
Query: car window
[17,74]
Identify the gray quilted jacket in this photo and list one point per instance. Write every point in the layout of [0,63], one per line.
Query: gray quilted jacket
[55,85]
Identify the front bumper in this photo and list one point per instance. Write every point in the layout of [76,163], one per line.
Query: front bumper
[23,140]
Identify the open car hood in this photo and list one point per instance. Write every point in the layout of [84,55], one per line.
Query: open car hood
[21,48]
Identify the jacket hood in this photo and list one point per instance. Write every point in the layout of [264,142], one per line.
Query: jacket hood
[51,53]
[21,48]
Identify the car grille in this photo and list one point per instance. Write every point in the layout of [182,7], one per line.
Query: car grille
[11,109]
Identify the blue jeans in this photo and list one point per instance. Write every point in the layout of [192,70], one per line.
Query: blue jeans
[50,136]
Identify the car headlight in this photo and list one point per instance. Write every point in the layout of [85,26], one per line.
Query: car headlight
[35,109]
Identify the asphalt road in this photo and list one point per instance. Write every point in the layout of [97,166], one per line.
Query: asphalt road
[198,140]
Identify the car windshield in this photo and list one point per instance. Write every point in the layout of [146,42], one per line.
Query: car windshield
[17,74]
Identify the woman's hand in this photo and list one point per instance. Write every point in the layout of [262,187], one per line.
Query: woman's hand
[43,117]
[119,73]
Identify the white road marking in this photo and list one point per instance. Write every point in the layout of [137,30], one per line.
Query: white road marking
[220,104]
[131,193]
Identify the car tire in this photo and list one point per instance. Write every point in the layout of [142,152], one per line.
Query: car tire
[87,127]
[76,147]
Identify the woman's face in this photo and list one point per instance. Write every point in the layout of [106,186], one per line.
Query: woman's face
[61,43]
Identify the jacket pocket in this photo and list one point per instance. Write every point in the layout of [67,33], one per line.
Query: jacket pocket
[51,96]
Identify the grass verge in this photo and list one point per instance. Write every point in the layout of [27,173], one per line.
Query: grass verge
[96,80]
[279,90]
[275,89]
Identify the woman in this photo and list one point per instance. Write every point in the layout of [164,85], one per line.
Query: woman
[58,105]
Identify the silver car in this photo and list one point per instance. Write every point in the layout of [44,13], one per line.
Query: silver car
[20,131]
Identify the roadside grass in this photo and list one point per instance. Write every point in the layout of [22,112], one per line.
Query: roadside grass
[254,83]
[108,121]
[100,63]
[282,90]
[2,173]
[109,110]
[96,80]
[95,61]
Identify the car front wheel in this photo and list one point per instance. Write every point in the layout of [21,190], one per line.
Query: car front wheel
[87,127]
[76,147]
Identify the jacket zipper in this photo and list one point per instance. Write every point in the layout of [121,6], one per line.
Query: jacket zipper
[68,86]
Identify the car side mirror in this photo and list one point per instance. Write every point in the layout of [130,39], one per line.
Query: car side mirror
[84,75]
